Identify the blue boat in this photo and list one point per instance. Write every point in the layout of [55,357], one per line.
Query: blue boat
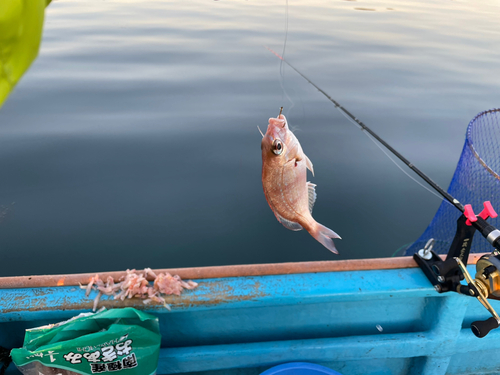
[369,316]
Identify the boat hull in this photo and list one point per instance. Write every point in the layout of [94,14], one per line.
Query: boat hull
[355,321]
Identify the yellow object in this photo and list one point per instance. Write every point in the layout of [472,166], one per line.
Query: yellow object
[21,23]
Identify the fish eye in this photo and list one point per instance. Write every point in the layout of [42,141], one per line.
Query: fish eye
[277,146]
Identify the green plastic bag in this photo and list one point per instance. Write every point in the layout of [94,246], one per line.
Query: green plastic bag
[122,341]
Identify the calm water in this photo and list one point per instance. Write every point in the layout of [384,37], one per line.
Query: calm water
[132,141]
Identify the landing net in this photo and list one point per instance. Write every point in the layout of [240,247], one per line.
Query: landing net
[476,179]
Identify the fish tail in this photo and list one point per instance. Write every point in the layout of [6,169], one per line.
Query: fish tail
[324,236]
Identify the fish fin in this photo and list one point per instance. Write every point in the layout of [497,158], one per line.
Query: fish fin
[288,224]
[263,134]
[312,195]
[324,236]
[309,164]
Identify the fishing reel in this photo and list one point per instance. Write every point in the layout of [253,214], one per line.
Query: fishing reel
[446,275]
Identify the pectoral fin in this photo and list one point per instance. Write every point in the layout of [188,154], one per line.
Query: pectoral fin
[309,165]
[287,223]
[311,195]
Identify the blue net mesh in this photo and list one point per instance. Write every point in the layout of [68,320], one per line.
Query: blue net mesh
[476,180]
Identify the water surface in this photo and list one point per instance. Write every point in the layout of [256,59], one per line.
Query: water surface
[132,140]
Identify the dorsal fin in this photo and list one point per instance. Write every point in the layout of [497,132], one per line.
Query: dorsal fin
[288,224]
[312,195]
[309,164]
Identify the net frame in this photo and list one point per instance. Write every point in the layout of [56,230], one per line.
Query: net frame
[471,143]
[476,179]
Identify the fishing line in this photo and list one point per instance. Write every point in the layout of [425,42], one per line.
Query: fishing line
[282,66]
[402,170]
[391,159]
[366,129]
[405,246]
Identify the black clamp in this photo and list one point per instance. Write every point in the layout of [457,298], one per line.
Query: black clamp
[446,275]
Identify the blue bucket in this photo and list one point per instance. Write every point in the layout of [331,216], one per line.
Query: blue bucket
[300,368]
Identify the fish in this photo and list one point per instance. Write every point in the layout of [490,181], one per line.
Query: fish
[284,180]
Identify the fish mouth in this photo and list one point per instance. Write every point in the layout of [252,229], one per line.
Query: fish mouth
[281,122]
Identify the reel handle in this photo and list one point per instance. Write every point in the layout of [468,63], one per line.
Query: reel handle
[482,327]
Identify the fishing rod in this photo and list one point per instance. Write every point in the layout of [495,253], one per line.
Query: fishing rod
[446,275]
[422,175]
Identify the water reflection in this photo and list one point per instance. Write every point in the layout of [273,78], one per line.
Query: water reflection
[132,141]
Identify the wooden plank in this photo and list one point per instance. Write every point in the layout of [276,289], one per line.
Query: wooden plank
[233,292]
[225,271]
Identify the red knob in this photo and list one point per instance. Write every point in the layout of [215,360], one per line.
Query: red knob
[469,214]
[488,211]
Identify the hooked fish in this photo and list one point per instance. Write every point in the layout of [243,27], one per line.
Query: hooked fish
[284,179]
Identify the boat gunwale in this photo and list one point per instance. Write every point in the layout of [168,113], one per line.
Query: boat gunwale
[213,272]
